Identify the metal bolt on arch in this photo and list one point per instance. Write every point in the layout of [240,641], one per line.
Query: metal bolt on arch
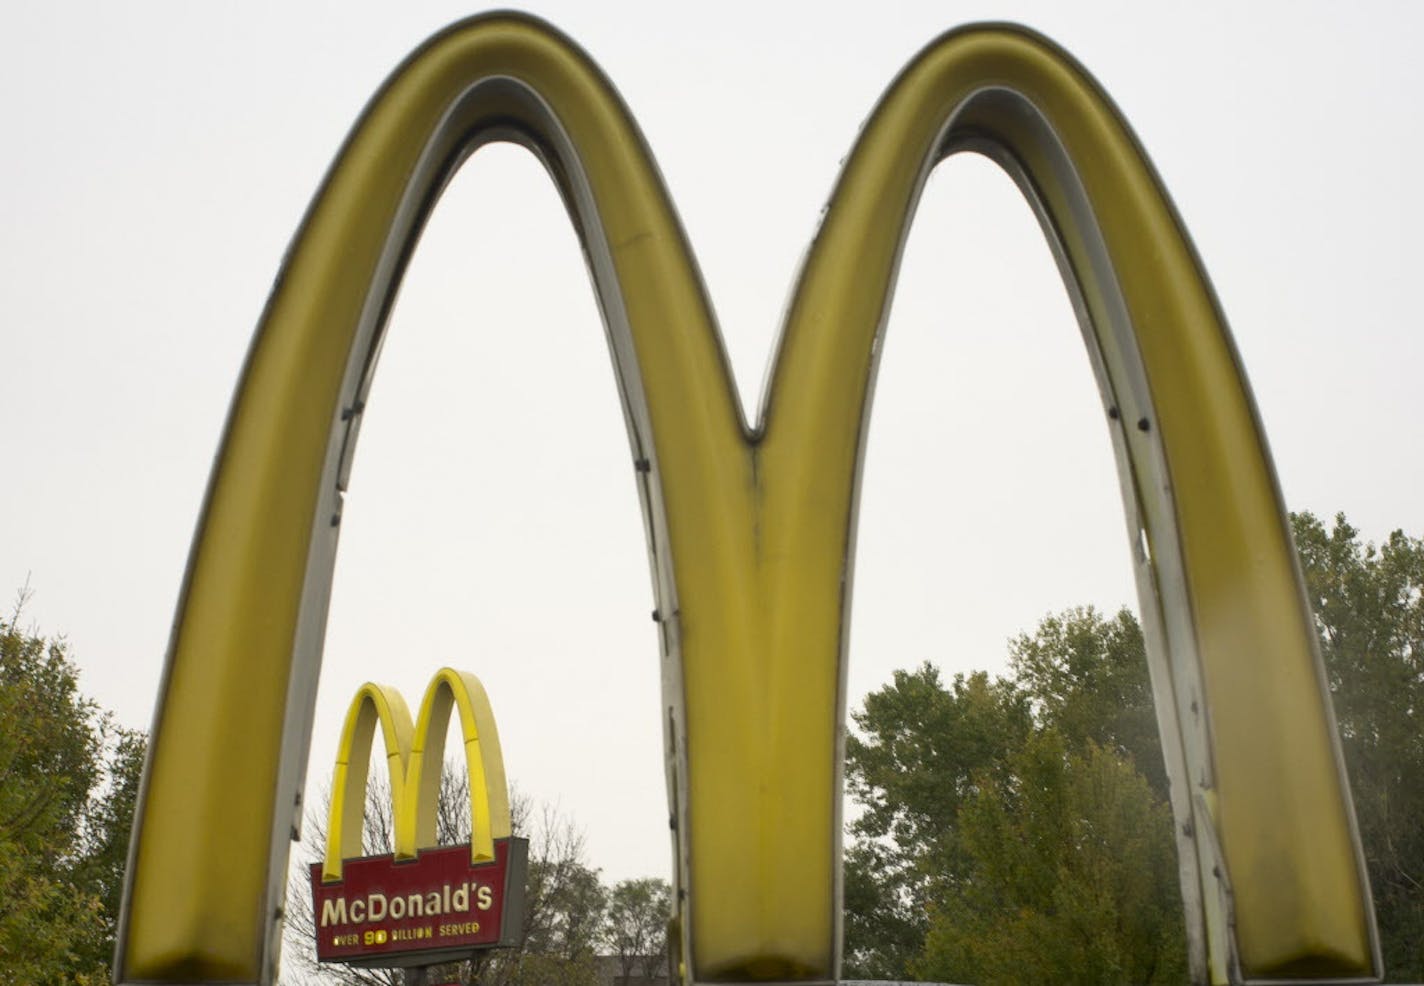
[751,528]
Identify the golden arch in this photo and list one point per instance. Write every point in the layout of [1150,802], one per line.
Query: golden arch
[414,755]
[751,530]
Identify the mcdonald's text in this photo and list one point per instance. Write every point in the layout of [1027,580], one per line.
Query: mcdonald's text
[375,906]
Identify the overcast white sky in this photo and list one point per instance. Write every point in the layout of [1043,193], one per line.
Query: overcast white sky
[158,156]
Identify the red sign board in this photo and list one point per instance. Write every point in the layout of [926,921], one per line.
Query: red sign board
[436,907]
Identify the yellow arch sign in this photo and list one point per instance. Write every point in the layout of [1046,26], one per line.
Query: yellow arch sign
[414,756]
[427,903]
[751,529]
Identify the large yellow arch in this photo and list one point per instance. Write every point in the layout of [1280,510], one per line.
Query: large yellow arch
[751,531]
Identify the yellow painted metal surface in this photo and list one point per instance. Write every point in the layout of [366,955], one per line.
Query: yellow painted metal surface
[751,529]
[414,755]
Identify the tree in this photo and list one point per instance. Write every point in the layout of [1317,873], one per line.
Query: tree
[1087,676]
[100,869]
[636,927]
[564,901]
[1007,828]
[67,783]
[1369,611]
[923,752]
[1071,877]
[994,855]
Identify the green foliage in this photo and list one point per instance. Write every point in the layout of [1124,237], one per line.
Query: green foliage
[67,783]
[49,752]
[1370,615]
[923,752]
[566,908]
[48,929]
[1008,833]
[636,927]
[1088,677]
[884,914]
[1017,830]
[529,968]
[926,747]
[1071,877]
[105,842]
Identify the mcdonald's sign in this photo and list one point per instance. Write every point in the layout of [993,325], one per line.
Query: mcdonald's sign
[751,528]
[420,903]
